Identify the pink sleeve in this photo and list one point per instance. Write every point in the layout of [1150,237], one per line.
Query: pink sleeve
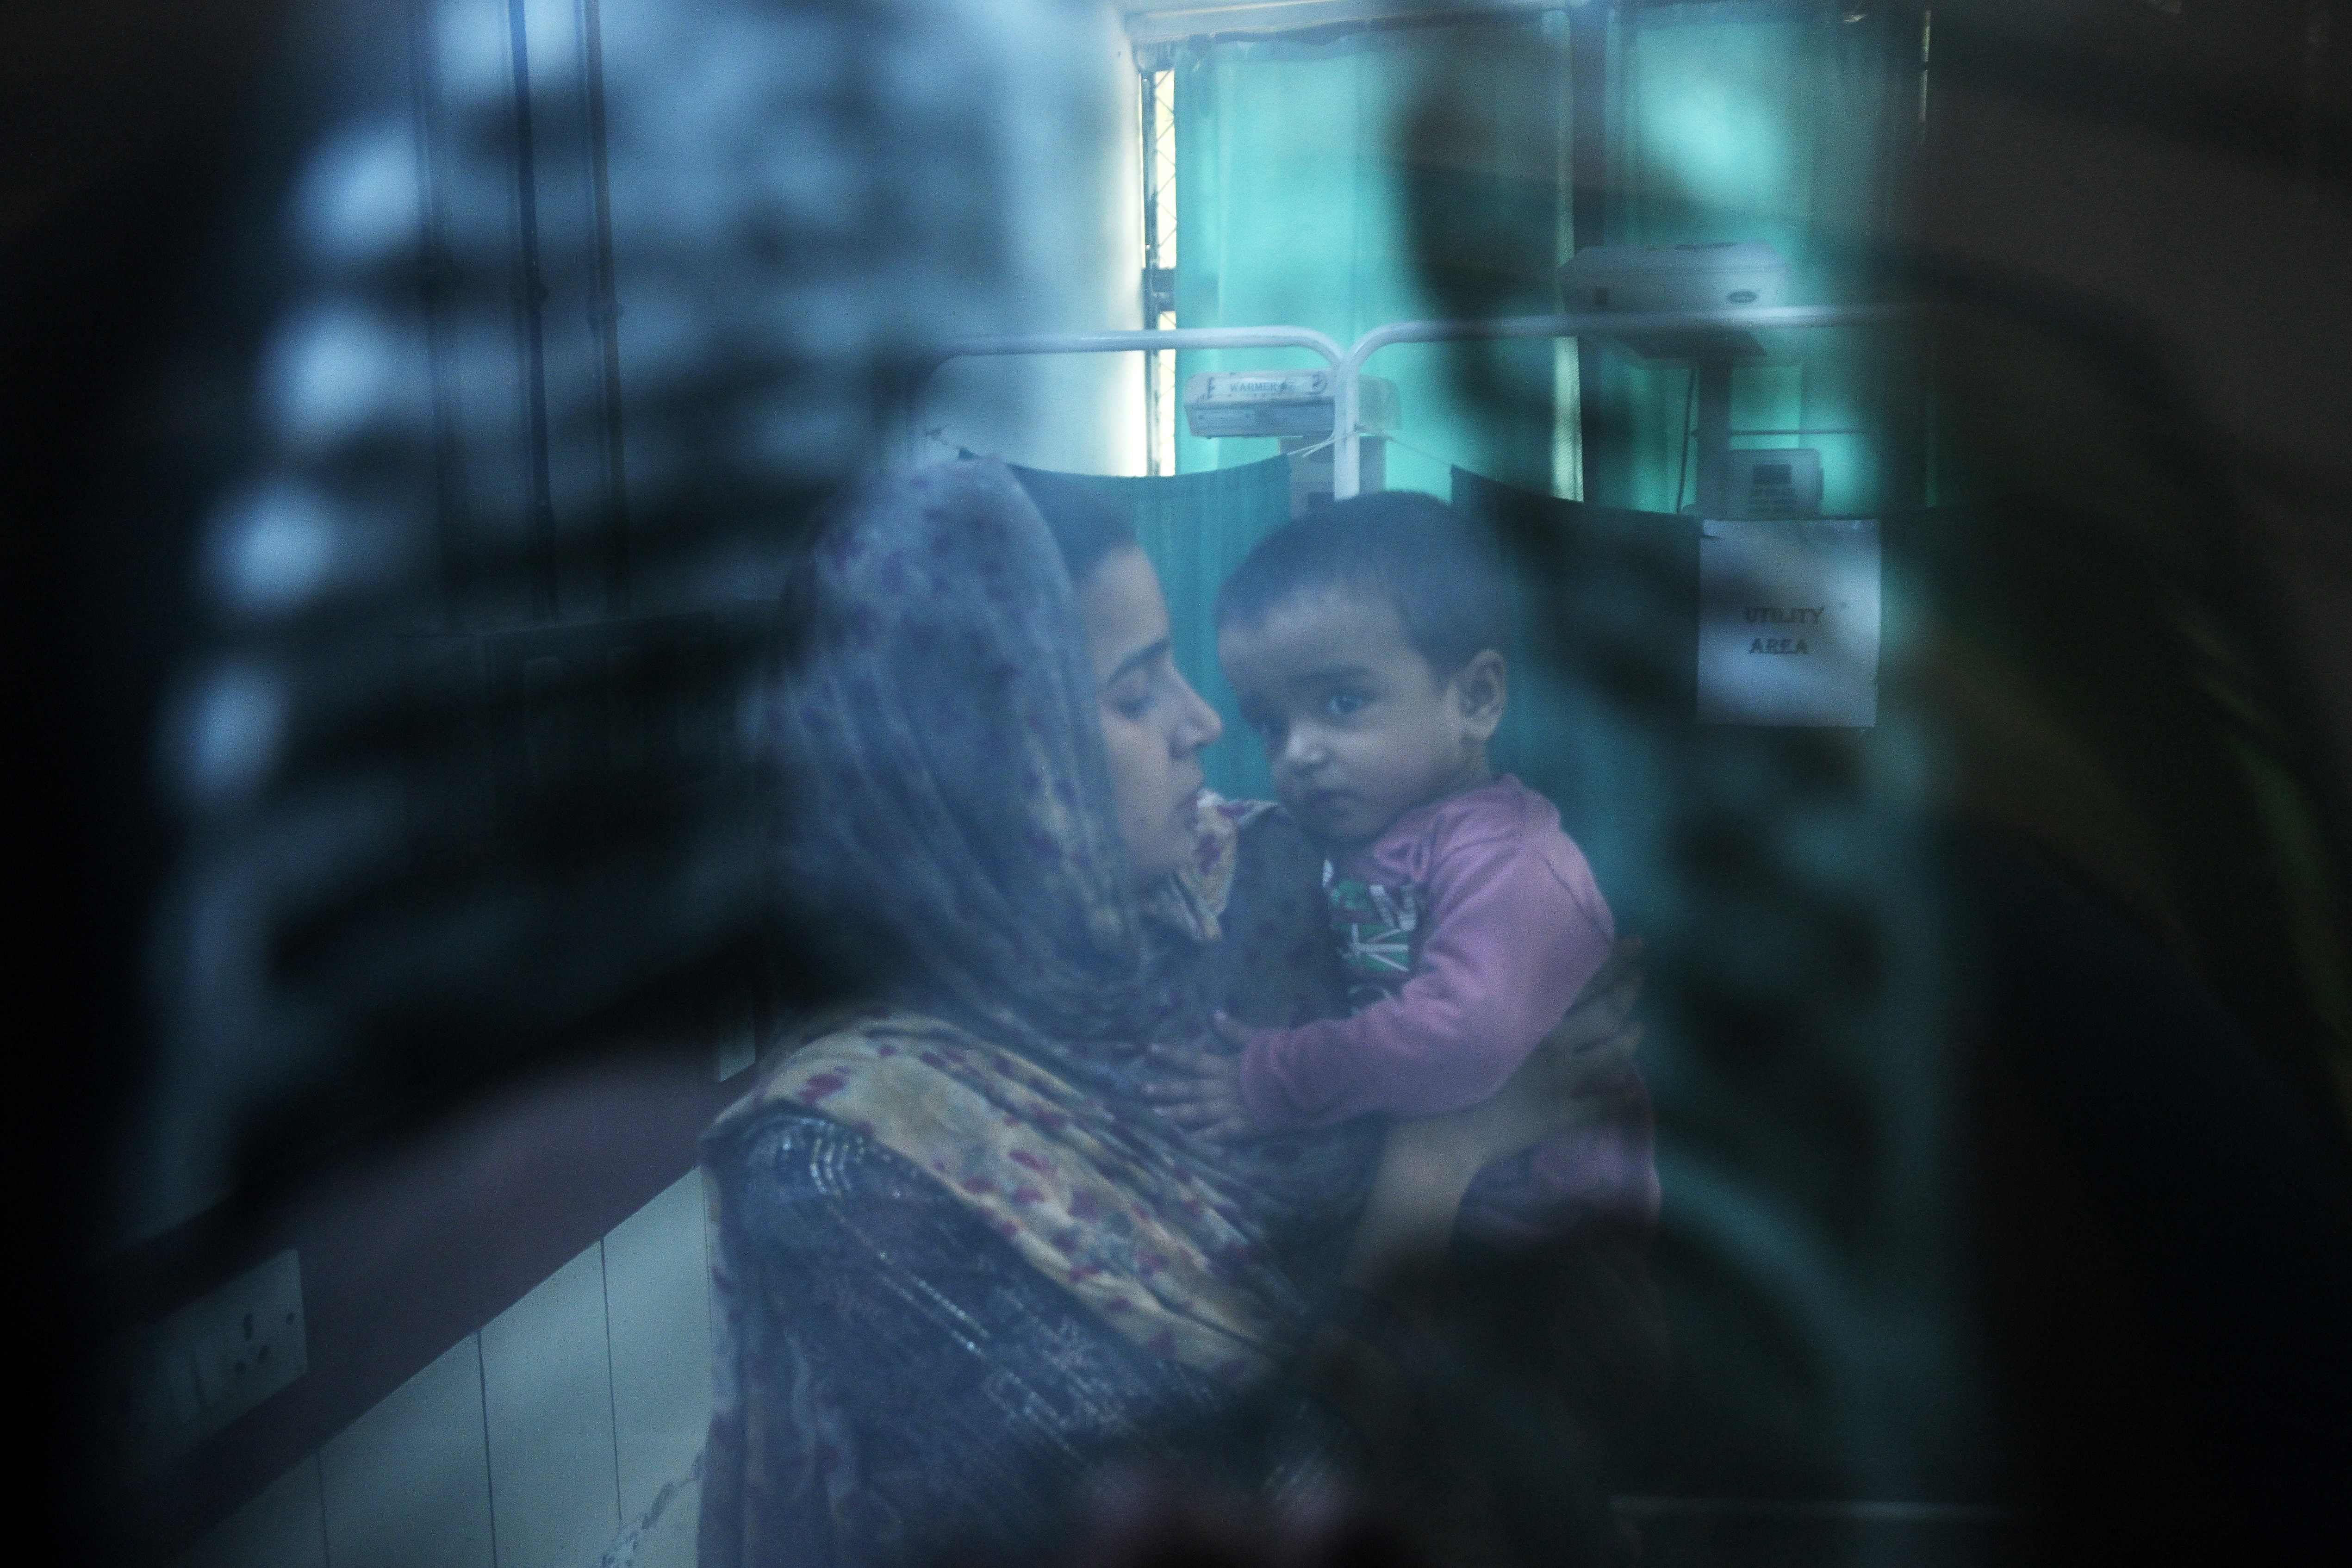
[1509,945]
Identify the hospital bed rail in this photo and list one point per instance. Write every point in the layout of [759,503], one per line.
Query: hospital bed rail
[1347,365]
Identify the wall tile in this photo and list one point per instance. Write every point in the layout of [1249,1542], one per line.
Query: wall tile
[658,1290]
[409,1482]
[282,1528]
[548,1390]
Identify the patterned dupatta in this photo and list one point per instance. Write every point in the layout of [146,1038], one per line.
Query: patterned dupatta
[1126,1215]
[945,839]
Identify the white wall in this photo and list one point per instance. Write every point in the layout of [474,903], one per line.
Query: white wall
[1080,209]
[562,1434]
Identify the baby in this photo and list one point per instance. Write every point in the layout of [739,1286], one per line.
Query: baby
[1365,644]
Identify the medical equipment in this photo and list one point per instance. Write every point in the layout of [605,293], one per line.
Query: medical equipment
[1772,482]
[1280,403]
[1671,277]
[1298,407]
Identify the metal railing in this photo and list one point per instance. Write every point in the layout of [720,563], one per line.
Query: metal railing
[1347,365]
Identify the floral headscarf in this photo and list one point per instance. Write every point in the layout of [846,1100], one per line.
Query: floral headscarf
[947,817]
[947,829]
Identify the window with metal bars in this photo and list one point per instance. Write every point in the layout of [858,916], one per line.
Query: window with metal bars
[1156,67]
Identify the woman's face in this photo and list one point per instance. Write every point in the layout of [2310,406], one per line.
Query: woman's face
[1153,723]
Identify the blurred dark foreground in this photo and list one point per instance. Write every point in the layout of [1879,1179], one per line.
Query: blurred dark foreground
[2107,930]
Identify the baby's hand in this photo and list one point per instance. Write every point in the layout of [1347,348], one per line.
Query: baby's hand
[1204,1092]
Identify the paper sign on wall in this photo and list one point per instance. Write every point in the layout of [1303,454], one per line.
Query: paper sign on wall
[1787,623]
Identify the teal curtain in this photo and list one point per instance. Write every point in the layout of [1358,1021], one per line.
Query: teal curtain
[1591,578]
[1314,187]
[1787,123]
[1196,528]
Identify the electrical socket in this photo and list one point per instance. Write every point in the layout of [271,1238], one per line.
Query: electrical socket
[181,1380]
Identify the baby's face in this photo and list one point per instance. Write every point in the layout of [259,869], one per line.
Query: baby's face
[1358,728]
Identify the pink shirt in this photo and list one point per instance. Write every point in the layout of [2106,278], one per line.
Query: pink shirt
[1512,926]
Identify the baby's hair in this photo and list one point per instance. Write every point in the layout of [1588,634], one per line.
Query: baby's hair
[1411,551]
[1085,526]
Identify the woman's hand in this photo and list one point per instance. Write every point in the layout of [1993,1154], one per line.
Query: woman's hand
[1591,1038]
[1427,1164]
[1590,1049]
[1204,1092]
[1549,1093]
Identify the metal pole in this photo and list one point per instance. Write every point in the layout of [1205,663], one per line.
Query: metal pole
[530,303]
[449,522]
[1713,400]
[1348,453]
[1114,342]
[1630,323]
[604,315]
[1147,99]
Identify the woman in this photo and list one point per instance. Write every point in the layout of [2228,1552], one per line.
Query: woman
[962,1261]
